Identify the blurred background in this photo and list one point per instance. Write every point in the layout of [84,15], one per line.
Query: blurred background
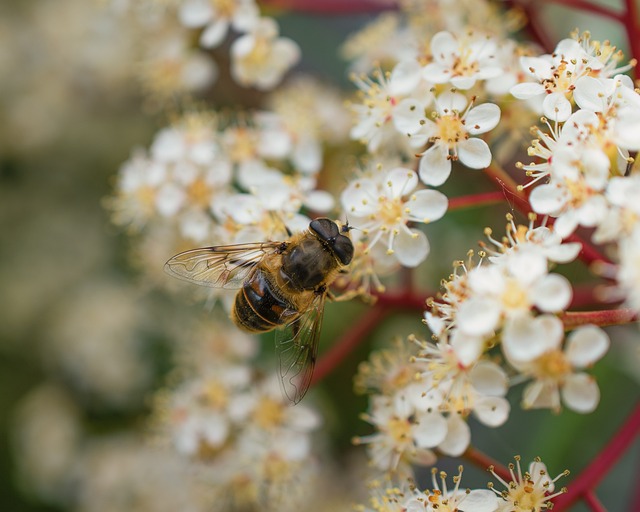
[86,338]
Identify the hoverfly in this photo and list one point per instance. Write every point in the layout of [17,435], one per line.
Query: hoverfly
[282,286]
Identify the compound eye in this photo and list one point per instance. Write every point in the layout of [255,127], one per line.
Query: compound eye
[324,228]
[343,249]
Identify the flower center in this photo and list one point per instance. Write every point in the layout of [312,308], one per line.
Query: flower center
[390,210]
[399,430]
[259,55]
[241,145]
[514,296]
[526,496]
[199,193]
[463,65]
[553,365]
[562,80]
[268,414]
[214,395]
[450,129]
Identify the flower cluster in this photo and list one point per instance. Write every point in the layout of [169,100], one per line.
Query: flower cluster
[210,178]
[584,173]
[531,491]
[510,298]
[227,417]
[422,397]
[444,95]
[171,62]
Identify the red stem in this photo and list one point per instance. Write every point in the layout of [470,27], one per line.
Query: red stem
[475,200]
[632,27]
[594,503]
[602,463]
[402,300]
[574,319]
[482,460]
[330,7]
[349,341]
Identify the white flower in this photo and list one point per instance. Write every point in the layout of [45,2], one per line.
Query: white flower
[539,241]
[578,169]
[531,491]
[534,348]
[461,61]
[260,58]
[442,499]
[405,434]
[466,386]
[500,292]
[386,102]
[381,208]
[199,417]
[557,75]
[451,134]
[216,16]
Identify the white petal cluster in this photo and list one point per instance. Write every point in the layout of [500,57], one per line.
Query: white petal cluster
[217,16]
[555,76]
[227,416]
[440,498]
[584,173]
[512,299]
[586,150]
[527,491]
[260,58]
[382,206]
[398,112]
[215,181]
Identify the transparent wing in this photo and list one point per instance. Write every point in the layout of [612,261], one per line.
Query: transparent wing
[297,348]
[223,266]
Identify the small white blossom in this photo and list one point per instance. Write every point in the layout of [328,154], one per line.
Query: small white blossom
[534,348]
[531,491]
[216,16]
[382,208]
[260,58]
[461,61]
[451,135]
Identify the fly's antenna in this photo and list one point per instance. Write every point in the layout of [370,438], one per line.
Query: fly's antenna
[346,227]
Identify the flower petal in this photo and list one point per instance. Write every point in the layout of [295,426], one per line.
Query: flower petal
[492,411]
[525,338]
[430,430]
[474,153]
[586,344]
[581,393]
[411,249]
[552,293]
[458,436]
[435,167]
[482,118]
[427,205]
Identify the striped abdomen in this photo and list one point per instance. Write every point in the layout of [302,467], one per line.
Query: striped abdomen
[257,308]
